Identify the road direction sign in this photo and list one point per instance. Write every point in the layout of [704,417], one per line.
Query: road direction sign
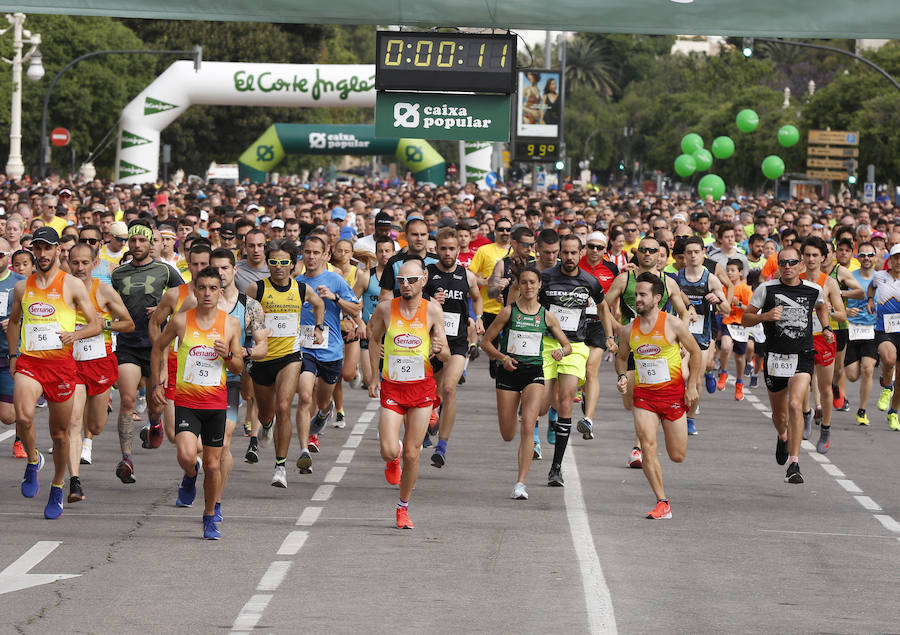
[826,175]
[869,192]
[826,163]
[828,151]
[490,179]
[834,137]
[60,137]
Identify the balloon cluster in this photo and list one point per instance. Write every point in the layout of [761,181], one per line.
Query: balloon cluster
[696,158]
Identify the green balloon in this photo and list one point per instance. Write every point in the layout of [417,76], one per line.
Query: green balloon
[788,136]
[685,165]
[691,142]
[722,147]
[711,185]
[747,120]
[703,158]
[772,167]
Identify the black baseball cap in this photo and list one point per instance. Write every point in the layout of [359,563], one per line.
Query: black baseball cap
[383,219]
[45,235]
[226,230]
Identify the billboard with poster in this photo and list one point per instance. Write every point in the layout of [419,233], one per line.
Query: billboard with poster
[539,112]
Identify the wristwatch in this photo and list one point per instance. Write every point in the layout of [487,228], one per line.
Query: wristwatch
[320,327]
[12,355]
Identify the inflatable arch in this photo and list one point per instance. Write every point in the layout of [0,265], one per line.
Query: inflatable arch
[282,139]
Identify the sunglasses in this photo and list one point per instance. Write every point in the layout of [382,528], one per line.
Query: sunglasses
[408,279]
[89,241]
[648,250]
[504,229]
[275,262]
[629,229]
[596,247]
[527,245]
[865,255]
[789,262]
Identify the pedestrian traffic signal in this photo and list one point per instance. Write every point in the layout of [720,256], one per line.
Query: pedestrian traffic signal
[621,165]
[851,165]
[560,166]
[747,49]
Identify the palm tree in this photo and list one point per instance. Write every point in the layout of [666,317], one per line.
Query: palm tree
[589,63]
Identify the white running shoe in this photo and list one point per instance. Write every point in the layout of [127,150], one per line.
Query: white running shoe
[86,455]
[279,477]
[519,492]
[140,406]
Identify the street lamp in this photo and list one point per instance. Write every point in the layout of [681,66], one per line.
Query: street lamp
[14,166]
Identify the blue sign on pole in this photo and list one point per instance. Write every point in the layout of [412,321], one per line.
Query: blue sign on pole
[490,179]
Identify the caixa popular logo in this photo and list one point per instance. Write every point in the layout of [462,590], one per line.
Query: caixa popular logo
[407,340]
[204,352]
[41,309]
[648,350]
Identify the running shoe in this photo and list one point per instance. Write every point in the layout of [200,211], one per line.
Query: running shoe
[473,351]
[462,379]
[793,474]
[41,403]
[248,429]
[279,476]
[781,452]
[884,400]
[893,422]
[433,422]
[54,508]
[19,450]
[403,521]
[538,455]
[635,459]
[586,427]
[31,485]
[210,529]
[692,429]
[662,511]
[318,422]
[156,435]
[86,458]
[836,398]
[313,443]
[304,462]
[817,417]
[439,458]
[426,442]
[723,379]
[356,382]
[710,382]
[188,489]
[754,381]
[76,493]
[125,471]
[393,470]
[551,426]
[217,513]
[340,420]
[807,424]
[845,405]
[739,391]
[748,368]
[824,441]
[140,406]
[144,434]
[252,455]
[519,492]
[265,433]
[862,418]
[555,478]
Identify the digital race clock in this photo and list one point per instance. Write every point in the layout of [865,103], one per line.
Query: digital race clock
[461,62]
[538,150]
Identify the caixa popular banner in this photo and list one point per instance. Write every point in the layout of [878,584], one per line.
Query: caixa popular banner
[435,116]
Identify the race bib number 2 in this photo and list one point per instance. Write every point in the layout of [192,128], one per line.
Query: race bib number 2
[524,343]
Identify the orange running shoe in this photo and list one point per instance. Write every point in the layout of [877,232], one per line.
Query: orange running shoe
[739,391]
[723,377]
[662,510]
[313,442]
[19,450]
[403,521]
[635,459]
[393,471]
[433,423]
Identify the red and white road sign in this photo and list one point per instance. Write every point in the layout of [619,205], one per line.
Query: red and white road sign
[60,137]
[451,169]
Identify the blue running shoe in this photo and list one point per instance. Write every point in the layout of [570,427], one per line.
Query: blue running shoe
[30,484]
[710,382]
[537,455]
[552,416]
[537,433]
[188,490]
[54,507]
[440,454]
[317,422]
[692,429]
[426,442]
[210,530]
[217,514]
[754,381]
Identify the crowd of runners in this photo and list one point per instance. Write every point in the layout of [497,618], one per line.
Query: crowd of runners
[214,309]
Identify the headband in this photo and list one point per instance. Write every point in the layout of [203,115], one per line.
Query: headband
[141,230]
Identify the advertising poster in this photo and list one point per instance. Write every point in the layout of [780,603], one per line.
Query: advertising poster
[540,104]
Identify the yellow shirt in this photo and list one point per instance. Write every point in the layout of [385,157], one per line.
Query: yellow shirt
[58,223]
[631,248]
[482,265]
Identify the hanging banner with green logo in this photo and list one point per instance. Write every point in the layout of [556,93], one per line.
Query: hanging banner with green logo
[431,116]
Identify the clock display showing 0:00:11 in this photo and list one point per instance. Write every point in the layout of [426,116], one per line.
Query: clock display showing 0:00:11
[437,54]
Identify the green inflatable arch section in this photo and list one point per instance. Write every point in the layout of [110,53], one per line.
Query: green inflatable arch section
[282,139]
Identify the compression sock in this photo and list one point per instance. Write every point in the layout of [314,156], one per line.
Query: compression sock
[402,503]
[279,460]
[563,427]
[552,415]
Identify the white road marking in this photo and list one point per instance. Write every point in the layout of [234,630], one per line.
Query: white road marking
[806,445]
[360,428]
[5,435]
[868,503]
[752,398]
[309,516]
[366,416]
[819,458]
[15,577]
[833,470]
[274,575]
[888,522]
[250,614]
[601,618]
[335,475]
[821,533]
[373,405]
[849,485]
[344,456]
[322,493]
[352,441]
[292,543]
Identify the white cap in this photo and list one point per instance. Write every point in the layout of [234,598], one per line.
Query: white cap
[204,215]
[597,236]
[895,249]
[679,217]
[253,207]
[277,224]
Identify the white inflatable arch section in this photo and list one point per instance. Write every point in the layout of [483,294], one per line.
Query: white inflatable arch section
[229,84]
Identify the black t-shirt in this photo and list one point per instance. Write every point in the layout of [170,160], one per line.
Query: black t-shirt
[389,276]
[142,287]
[455,286]
[568,297]
[793,333]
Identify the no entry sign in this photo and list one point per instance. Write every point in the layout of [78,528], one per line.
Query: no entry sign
[60,137]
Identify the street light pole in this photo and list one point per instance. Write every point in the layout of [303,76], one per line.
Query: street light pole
[14,166]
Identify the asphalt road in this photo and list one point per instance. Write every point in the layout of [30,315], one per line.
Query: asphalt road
[744,552]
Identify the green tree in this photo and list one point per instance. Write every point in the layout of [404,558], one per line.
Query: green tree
[589,63]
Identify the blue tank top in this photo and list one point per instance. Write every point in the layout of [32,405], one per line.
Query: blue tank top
[240,312]
[864,317]
[6,296]
[370,296]
[101,272]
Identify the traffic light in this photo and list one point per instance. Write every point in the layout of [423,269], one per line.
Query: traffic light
[851,166]
[747,48]
[622,164]
[560,165]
